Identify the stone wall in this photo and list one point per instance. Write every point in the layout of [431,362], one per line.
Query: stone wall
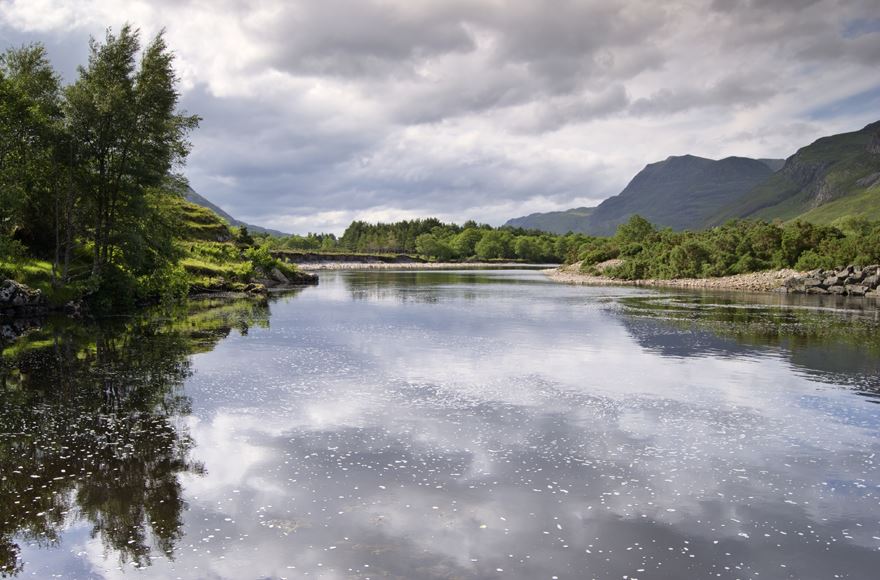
[849,281]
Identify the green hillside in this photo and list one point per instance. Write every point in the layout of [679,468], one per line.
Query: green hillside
[820,181]
[554,222]
[862,204]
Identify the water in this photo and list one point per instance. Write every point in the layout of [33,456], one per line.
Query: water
[447,425]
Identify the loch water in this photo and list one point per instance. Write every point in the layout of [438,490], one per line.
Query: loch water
[449,425]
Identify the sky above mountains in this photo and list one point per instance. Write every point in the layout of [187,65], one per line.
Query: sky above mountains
[319,112]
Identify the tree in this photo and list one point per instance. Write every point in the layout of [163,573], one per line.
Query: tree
[492,246]
[637,229]
[128,137]
[465,243]
[432,246]
[30,112]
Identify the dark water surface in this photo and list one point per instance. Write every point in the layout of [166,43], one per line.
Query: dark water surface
[447,425]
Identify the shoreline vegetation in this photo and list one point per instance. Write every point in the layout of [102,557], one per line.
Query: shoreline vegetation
[752,256]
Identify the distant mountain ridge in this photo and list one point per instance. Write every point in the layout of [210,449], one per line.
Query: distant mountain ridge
[834,177]
[676,192]
[194,197]
[554,221]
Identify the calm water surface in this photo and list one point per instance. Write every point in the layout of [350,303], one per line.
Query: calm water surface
[447,425]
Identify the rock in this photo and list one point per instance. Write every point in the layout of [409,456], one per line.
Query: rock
[872,294]
[18,298]
[872,281]
[75,308]
[279,276]
[845,272]
[811,282]
[856,290]
[856,277]
[816,290]
[837,290]
[831,281]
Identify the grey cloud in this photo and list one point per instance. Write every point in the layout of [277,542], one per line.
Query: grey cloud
[732,91]
[578,109]
[456,106]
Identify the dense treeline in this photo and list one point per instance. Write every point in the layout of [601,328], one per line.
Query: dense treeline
[84,168]
[737,247]
[436,240]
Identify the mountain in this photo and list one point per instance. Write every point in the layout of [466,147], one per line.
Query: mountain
[680,192]
[193,197]
[833,177]
[556,222]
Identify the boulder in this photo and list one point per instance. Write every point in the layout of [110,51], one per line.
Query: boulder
[816,290]
[856,290]
[16,297]
[811,282]
[279,276]
[856,277]
[871,281]
[792,282]
[831,281]
[837,290]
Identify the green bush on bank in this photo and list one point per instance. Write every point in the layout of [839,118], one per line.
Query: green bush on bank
[737,247]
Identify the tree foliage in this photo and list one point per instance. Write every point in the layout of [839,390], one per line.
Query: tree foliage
[84,168]
[737,247]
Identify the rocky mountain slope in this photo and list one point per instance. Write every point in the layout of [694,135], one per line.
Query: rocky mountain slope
[829,179]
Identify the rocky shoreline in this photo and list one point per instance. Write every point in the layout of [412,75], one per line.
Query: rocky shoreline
[849,281]
[753,282]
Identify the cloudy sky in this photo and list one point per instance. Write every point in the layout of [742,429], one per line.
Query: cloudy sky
[317,112]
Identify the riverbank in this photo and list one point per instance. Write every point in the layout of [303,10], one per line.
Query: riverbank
[767,281]
[315,266]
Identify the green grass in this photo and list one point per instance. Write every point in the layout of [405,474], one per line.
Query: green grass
[37,274]
[197,222]
[865,204]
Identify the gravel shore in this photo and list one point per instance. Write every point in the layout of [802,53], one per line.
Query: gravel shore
[767,281]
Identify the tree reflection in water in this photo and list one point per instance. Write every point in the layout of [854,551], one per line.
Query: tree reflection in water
[89,429]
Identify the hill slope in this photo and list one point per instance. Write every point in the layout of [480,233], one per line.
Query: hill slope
[822,181]
[555,222]
[193,197]
[679,192]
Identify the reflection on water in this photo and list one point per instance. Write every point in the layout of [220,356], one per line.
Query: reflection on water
[448,425]
[88,433]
